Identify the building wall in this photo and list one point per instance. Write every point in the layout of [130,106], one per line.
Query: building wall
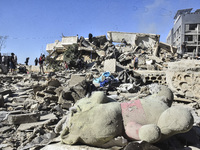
[169,37]
[181,35]
[177,34]
[192,30]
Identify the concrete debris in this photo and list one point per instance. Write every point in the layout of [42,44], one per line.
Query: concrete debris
[23,118]
[110,65]
[104,99]
[3,69]
[145,46]
[184,79]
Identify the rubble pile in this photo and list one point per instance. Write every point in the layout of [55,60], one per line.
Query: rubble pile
[101,101]
[184,79]
[35,108]
[121,46]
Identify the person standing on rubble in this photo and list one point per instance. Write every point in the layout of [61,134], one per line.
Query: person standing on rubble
[12,62]
[36,61]
[41,61]
[26,62]
[66,65]
[15,59]
[135,62]
[8,62]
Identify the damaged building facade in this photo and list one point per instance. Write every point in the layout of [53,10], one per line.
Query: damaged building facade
[57,48]
[185,34]
[120,45]
[116,52]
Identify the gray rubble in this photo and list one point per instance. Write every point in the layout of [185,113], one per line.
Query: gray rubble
[34,108]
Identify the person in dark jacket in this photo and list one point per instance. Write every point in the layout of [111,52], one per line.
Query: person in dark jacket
[36,61]
[27,60]
[41,61]
[12,62]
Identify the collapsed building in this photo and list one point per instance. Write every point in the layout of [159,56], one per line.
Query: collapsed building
[121,46]
[116,52]
[40,111]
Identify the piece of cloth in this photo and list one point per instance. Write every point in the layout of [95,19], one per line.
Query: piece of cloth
[102,77]
[104,83]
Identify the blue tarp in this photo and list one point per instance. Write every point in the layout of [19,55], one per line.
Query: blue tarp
[104,79]
[98,80]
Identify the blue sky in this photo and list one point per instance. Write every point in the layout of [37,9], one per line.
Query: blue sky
[31,24]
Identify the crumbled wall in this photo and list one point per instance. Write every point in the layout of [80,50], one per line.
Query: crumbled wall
[183,78]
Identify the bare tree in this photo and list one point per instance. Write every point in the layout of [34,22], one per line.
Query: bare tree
[2,42]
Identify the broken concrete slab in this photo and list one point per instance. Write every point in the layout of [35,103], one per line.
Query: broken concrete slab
[38,87]
[5,91]
[80,90]
[76,79]
[152,76]
[45,119]
[101,53]
[168,47]
[6,129]
[147,41]
[69,40]
[23,118]
[38,141]
[119,67]
[89,49]
[125,49]
[110,65]
[65,96]
[183,78]
[3,115]
[54,83]
[28,103]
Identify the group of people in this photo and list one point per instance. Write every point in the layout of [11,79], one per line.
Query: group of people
[40,61]
[9,61]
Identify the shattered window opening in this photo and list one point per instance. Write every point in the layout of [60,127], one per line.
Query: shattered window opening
[191,49]
[188,38]
[192,26]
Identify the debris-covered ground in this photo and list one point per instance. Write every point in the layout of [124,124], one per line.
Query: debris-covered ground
[36,110]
